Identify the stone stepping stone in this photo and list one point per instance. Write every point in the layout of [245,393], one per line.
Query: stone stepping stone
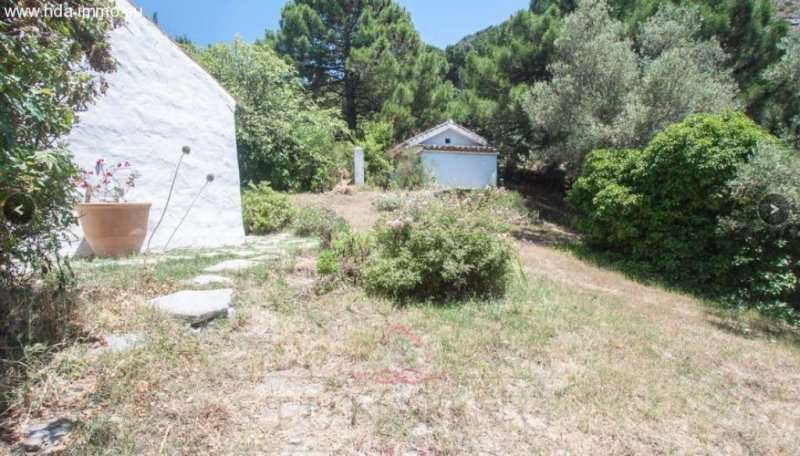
[209,279]
[302,244]
[244,253]
[269,257]
[231,265]
[114,343]
[43,437]
[195,306]
[178,257]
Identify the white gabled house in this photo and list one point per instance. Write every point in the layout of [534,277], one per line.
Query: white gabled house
[456,156]
[158,101]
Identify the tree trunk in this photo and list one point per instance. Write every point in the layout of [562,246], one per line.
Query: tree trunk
[350,115]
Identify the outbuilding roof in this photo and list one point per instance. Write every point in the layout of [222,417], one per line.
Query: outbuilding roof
[420,138]
[452,148]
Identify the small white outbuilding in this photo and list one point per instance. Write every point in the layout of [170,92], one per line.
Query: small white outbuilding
[158,101]
[456,156]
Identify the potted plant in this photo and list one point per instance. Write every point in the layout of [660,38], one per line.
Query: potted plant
[112,226]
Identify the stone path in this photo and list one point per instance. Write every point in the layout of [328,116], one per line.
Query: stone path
[210,279]
[200,306]
[195,306]
[231,265]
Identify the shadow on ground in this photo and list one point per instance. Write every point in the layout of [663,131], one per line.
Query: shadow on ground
[554,229]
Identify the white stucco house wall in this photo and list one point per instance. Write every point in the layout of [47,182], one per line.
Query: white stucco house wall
[456,156]
[158,101]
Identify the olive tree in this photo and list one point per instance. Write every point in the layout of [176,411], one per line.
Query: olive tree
[609,90]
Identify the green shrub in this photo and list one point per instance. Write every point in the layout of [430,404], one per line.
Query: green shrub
[51,68]
[505,204]
[264,210]
[685,209]
[389,203]
[439,249]
[282,135]
[377,137]
[409,172]
[769,256]
[327,264]
[346,256]
[320,222]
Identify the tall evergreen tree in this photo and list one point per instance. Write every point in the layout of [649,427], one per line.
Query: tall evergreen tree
[500,66]
[366,57]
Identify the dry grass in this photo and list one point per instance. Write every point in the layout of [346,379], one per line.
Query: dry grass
[576,359]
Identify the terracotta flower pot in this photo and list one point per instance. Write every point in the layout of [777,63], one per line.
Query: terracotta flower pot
[114,229]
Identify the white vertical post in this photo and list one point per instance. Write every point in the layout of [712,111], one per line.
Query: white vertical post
[358,165]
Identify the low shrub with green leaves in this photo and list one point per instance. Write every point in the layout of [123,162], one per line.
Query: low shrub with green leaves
[264,210]
[409,172]
[506,204]
[686,210]
[346,256]
[320,222]
[443,248]
[389,203]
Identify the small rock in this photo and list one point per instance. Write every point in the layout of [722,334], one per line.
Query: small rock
[208,279]
[231,265]
[44,436]
[114,343]
[30,444]
[195,306]
[420,430]
[292,410]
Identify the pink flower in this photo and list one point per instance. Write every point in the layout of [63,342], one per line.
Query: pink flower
[100,162]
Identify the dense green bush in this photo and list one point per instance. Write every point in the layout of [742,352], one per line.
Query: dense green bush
[50,68]
[264,210]
[346,256]
[438,249]
[320,222]
[47,64]
[769,256]
[377,137]
[685,208]
[282,135]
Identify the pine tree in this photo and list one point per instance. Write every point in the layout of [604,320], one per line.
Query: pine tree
[365,57]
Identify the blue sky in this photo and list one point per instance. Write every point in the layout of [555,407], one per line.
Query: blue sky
[440,22]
